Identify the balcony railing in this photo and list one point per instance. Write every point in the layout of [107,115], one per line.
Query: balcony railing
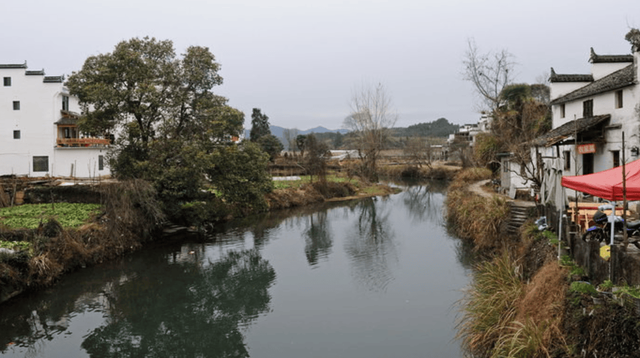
[82,142]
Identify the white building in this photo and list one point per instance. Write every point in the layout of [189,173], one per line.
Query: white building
[38,128]
[590,113]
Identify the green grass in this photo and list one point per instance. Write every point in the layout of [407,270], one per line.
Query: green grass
[305,179]
[31,215]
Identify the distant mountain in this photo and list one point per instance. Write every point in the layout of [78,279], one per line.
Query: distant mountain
[321,129]
[279,131]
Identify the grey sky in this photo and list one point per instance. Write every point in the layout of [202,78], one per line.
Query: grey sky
[299,60]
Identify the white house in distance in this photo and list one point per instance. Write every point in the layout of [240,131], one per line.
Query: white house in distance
[38,128]
[590,113]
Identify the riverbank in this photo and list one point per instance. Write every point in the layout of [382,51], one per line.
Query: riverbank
[129,217]
[523,301]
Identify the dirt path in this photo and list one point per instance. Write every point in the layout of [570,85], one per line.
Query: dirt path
[479,188]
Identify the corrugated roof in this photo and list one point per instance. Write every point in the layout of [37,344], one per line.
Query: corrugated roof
[569,129]
[621,78]
[595,58]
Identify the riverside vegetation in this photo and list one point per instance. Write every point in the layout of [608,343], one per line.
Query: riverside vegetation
[523,301]
[47,240]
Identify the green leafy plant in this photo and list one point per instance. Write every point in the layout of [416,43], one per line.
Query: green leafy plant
[30,216]
[583,287]
[607,285]
[15,245]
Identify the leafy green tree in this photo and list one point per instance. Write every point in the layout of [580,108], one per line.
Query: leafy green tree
[240,174]
[271,145]
[259,125]
[172,129]
[143,92]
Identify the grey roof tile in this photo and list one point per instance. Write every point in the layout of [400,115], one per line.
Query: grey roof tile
[619,79]
[53,79]
[568,129]
[595,58]
[569,77]
[10,65]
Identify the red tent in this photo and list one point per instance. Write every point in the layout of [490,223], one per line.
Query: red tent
[607,184]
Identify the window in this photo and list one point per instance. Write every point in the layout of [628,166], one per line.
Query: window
[16,105]
[6,81]
[41,164]
[587,108]
[65,103]
[616,158]
[16,134]
[619,99]
[567,160]
[101,162]
[505,166]
[562,112]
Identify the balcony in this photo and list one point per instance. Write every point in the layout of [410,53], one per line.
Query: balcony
[82,142]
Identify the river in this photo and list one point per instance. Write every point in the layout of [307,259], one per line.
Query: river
[377,277]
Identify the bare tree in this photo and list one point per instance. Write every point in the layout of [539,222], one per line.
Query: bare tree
[489,72]
[418,151]
[372,115]
[290,137]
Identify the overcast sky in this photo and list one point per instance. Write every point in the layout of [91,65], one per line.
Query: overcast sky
[299,61]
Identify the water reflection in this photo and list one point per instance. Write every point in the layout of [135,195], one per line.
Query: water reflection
[191,309]
[372,248]
[423,203]
[318,239]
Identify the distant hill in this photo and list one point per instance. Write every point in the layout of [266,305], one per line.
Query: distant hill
[279,131]
[438,128]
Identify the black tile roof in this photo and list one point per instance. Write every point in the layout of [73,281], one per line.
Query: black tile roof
[568,129]
[621,78]
[53,79]
[67,120]
[22,65]
[569,78]
[34,73]
[595,58]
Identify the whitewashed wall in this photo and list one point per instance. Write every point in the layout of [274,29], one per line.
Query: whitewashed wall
[40,106]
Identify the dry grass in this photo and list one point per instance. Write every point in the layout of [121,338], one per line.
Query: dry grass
[306,194]
[536,330]
[489,306]
[504,317]
[477,218]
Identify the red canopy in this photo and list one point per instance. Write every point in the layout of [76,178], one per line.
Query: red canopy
[607,184]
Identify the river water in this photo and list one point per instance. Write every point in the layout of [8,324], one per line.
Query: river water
[377,277]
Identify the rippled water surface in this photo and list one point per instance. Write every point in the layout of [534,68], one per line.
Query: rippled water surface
[371,278]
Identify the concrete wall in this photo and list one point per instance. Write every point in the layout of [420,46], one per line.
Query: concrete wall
[83,161]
